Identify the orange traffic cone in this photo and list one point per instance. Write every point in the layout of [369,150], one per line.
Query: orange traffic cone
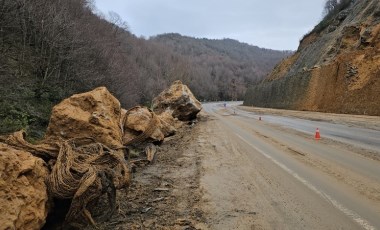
[317,135]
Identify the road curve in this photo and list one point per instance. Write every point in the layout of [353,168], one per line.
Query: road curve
[337,188]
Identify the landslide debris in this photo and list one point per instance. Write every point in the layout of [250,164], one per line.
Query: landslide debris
[93,114]
[23,193]
[179,100]
[140,120]
[84,159]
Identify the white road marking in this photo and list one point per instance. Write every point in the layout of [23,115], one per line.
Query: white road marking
[354,216]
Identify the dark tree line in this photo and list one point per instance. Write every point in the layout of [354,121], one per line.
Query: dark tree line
[331,10]
[334,6]
[51,49]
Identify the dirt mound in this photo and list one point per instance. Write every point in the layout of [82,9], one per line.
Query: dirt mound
[23,193]
[94,114]
[179,100]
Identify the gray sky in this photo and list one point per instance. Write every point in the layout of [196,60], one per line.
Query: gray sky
[274,24]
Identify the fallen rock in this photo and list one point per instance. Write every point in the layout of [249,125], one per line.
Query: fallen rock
[179,100]
[23,193]
[139,124]
[95,114]
[169,124]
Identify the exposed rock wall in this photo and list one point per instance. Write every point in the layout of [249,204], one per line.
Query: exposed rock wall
[334,70]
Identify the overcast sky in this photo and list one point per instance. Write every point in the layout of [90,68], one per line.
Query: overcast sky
[274,24]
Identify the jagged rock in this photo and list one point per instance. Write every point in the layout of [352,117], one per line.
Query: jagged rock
[180,100]
[140,120]
[94,114]
[23,193]
[169,124]
[350,37]
[376,14]
[366,37]
[343,15]
[331,28]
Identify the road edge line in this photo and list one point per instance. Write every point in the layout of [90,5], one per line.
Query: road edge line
[353,215]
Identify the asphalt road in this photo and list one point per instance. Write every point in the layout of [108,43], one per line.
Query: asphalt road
[361,137]
[344,186]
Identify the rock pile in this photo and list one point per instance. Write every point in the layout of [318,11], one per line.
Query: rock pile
[83,156]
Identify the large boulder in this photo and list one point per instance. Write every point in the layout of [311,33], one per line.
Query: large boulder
[179,100]
[23,193]
[169,124]
[140,122]
[95,114]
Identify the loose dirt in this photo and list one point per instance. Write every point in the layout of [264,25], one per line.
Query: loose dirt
[165,194]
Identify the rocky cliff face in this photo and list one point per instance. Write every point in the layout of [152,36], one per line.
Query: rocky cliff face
[335,69]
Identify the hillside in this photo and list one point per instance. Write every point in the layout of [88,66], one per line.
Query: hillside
[221,69]
[335,69]
[51,49]
[54,48]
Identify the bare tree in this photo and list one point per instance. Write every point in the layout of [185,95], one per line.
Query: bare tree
[330,6]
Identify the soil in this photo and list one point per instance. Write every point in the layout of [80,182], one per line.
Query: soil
[165,194]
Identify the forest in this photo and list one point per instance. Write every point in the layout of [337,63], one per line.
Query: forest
[221,69]
[52,49]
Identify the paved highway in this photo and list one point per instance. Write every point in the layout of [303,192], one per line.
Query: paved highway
[360,137]
[337,187]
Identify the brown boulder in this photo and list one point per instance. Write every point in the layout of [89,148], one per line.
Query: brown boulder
[95,114]
[141,123]
[23,193]
[180,100]
[168,123]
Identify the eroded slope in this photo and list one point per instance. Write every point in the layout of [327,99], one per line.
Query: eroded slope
[336,69]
